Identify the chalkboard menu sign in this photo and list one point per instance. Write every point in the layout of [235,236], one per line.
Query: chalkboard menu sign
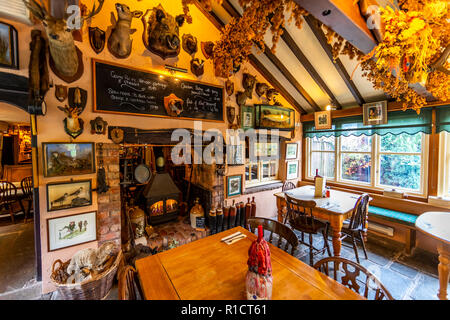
[125,90]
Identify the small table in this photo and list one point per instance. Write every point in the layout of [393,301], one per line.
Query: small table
[208,269]
[437,226]
[335,209]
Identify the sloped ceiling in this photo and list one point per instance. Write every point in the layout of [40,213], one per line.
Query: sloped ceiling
[324,67]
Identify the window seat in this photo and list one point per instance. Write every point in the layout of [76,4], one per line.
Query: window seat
[406,219]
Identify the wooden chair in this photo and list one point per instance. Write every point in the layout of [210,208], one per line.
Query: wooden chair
[355,278]
[355,227]
[300,217]
[27,189]
[128,284]
[283,232]
[288,185]
[8,196]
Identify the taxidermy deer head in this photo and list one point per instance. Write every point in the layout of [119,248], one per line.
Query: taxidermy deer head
[61,44]
[72,123]
[119,42]
[161,32]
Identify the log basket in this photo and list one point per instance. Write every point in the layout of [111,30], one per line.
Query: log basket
[96,288]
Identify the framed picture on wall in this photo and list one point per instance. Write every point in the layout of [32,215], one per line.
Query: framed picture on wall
[67,195]
[375,113]
[322,120]
[247,117]
[65,159]
[71,230]
[235,155]
[234,185]
[292,169]
[9,47]
[291,151]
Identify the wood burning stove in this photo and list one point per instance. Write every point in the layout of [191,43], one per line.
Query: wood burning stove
[162,198]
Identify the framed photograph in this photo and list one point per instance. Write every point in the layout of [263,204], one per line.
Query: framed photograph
[235,155]
[71,230]
[274,117]
[291,170]
[67,195]
[234,185]
[9,47]
[247,117]
[291,151]
[375,113]
[322,120]
[66,159]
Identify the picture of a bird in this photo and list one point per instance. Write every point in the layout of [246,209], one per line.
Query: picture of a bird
[60,200]
[76,192]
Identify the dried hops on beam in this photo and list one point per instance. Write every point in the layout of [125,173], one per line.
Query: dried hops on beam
[241,34]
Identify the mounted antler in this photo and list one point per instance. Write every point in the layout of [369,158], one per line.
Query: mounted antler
[439,65]
[93,12]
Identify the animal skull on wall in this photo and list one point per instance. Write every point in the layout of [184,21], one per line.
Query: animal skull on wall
[120,42]
[248,82]
[161,32]
[65,58]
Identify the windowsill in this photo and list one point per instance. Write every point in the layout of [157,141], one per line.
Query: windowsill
[443,202]
[368,189]
[263,186]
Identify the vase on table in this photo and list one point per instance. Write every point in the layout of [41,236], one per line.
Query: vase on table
[258,282]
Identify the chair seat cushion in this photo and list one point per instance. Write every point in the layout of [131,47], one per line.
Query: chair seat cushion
[392,215]
[305,225]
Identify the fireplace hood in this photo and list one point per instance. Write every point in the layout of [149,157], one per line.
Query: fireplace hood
[160,185]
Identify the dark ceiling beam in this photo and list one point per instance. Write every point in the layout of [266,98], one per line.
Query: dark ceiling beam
[309,67]
[228,6]
[316,29]
[343,16]
[256,63]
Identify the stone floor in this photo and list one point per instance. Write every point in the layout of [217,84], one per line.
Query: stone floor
[17,260]
[406,277]
[413,277]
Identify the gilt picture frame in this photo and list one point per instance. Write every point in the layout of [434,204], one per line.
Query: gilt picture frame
[274,117]
[9,46]
[66,159]
[69,194]
[375,113]
[71,230]
[322,120]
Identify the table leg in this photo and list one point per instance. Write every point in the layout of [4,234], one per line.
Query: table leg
[282,209]
[336,226]
[443,268]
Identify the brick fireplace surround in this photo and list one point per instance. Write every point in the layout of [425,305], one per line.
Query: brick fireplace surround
[108,216]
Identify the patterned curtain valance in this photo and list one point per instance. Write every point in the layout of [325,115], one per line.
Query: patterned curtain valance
[398,122]
[443,118]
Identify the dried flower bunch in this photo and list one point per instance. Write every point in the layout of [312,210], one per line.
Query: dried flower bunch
[239,35]
[414,39]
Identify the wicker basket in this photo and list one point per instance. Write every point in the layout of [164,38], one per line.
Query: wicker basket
[92,289]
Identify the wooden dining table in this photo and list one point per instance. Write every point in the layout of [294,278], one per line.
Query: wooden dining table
[437,226]
[335,209]
[208,269]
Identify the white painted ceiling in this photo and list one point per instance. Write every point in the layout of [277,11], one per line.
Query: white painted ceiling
[310,46]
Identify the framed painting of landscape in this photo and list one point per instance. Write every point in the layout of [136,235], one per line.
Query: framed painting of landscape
[71,230]
[66,159]
[67,195]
